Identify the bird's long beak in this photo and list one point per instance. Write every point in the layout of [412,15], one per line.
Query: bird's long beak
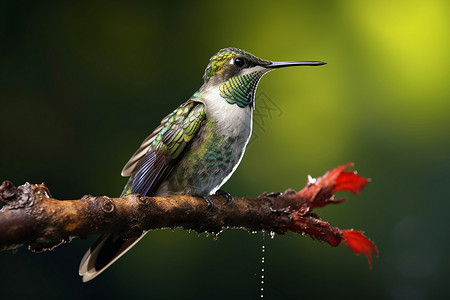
[282,64]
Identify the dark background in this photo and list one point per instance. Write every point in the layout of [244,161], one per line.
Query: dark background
[83,83]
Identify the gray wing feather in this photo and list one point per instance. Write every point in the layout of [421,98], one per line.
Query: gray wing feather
[131,166]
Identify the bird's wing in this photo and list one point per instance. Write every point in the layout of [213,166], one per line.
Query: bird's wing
[156,157]
[149,166]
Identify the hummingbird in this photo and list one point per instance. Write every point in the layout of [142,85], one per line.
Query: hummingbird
[196,148]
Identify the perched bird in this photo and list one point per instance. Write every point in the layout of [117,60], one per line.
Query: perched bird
[197,147]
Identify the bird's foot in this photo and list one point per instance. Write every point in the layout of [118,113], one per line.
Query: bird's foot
[209,201]
[228,198]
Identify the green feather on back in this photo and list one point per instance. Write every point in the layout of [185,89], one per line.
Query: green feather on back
[171,140]
[179,130]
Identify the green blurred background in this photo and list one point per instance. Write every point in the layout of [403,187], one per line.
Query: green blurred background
[83,83]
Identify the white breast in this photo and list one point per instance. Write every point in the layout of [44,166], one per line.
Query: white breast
[232,121]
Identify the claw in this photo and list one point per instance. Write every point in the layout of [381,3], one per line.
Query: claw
[228,198]
[209,201]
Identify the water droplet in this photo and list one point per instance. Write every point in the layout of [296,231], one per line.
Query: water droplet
[263,248]
[311,180]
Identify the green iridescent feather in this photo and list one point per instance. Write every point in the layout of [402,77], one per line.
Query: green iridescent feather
[239,89]
[168,146]
[218,61]
[209,152]
[223,57]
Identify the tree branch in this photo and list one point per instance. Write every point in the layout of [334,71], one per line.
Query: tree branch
[29,216]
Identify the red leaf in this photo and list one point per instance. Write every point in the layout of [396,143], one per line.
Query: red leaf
[319,192]
[345,181]
[358,243]
[350,182]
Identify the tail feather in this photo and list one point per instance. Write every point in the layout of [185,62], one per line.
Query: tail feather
[104,252]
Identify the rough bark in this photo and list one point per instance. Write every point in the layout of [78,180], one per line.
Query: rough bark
[30,216]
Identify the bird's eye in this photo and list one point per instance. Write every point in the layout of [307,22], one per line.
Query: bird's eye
[239,62]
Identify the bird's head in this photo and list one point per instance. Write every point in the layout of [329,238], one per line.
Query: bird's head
[237,73]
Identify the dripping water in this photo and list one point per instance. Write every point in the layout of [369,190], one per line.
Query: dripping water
[263,250]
